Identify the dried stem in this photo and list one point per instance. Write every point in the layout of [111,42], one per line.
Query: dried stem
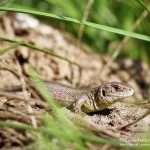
[123,43]
[85,16]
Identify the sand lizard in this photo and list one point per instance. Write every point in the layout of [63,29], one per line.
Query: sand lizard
[84,100]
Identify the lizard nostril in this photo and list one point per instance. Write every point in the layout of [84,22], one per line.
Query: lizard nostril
[131,90]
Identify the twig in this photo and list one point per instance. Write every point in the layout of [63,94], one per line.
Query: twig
[26,96]
[19,97]
[20,76]
[15,111]
[134,122]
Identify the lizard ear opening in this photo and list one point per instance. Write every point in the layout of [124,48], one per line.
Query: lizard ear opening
[103,93]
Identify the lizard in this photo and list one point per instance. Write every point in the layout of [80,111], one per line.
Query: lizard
[83,100]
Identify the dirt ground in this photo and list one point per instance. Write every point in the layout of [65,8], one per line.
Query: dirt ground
[91,71]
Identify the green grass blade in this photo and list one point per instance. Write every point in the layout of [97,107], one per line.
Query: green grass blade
[94,25]
[52,131]
[21,43]
[4,50]
[67,126]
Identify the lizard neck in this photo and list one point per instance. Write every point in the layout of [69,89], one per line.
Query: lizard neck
[95,101]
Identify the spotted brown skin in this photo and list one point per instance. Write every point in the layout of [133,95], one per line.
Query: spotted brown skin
[84,100]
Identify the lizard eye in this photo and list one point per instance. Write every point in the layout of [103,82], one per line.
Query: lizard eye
[116,87]
[103,93]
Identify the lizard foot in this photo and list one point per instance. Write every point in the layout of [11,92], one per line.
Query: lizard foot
[78,111]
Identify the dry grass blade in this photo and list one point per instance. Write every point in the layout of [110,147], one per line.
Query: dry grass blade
[19,97]
[85,16]
[19,74]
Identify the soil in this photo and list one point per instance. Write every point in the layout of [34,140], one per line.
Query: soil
[89,72]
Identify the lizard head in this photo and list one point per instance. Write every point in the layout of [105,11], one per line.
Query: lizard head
[106,95]
[114,91]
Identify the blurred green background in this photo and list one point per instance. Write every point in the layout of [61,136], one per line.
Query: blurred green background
[121,14]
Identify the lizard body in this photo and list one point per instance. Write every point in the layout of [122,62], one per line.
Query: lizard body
[83,100]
